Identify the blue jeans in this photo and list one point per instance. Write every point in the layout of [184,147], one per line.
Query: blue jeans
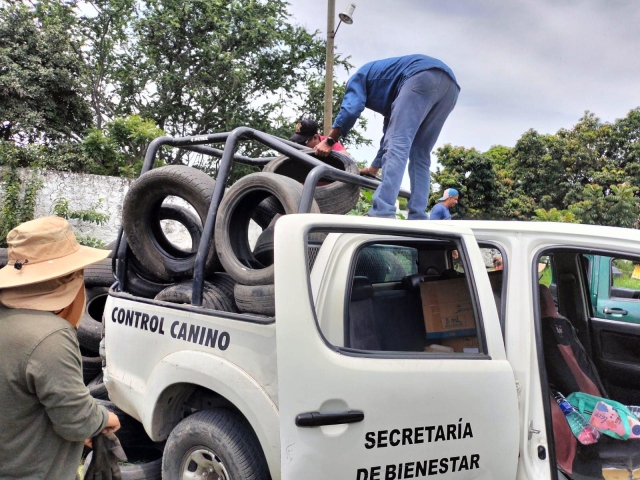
[417,116]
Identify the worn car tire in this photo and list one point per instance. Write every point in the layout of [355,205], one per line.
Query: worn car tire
[141,287]
[234,215]
[97,388]
[143,228]
[187,219]
[263,250]
[137,284]
[90,327]
[212,297]
[99,274]
[91,365]
[332,197]
[131,432]
[224,282]
[219,433]
[256,299]
[143,463]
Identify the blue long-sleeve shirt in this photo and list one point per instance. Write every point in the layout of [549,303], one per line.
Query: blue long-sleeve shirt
[376,85]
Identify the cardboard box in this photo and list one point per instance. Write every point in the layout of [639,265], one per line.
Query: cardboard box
[462,344]
[447,309]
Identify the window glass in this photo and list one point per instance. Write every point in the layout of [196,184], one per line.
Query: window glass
[614,287]
[386,263]
[492,260]
[545,271]
[625,278]
[400,296]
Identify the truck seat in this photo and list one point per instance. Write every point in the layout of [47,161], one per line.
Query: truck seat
[362,328]
[569,369]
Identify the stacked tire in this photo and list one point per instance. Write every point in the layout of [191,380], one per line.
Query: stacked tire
[239,276]
[252,268]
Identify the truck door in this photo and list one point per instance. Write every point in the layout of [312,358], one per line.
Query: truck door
[391,363]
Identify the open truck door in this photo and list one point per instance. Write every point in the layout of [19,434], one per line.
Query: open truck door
[391,364]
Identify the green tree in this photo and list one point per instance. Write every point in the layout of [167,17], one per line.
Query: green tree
[119,148]
[617,208]
[18,201]
[471,173]
[41,91]
[554,215]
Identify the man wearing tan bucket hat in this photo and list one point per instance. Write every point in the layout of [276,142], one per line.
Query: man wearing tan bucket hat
[46,411]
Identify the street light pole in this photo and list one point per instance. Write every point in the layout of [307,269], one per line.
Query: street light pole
[328,83]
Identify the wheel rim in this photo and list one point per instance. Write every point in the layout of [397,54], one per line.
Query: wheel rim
[202,463]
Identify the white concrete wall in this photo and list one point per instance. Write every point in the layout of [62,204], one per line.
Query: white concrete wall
[83,191]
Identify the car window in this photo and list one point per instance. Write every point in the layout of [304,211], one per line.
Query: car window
[545,271]
[625,279]
[402,296]
[614,287]
[386,263]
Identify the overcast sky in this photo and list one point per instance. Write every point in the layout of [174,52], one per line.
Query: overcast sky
[521,64]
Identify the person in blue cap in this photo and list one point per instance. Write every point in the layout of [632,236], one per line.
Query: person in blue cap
[448,200]
[415,94]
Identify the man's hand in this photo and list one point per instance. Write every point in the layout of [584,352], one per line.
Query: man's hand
[113,424]
[323,149]
[369,171]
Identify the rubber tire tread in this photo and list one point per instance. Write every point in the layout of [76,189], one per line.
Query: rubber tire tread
[225,432]
[89,330]
[263,249]
[233,223]
[139,471]
[337,197]
[99,274]
[224,282]
[190,184]
[89,333]
[131,432]
[256,299]
[91,368]
[187,219]
[97,388]
[93,292]
[212,297]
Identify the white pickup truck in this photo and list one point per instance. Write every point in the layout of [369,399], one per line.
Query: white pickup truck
[395,352]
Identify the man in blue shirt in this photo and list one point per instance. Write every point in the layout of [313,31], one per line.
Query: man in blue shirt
[448,200]
[415,94]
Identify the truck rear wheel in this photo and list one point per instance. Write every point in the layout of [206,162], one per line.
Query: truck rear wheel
[216,442]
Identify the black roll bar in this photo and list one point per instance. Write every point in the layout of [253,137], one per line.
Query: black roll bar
[327,172]
[319,170]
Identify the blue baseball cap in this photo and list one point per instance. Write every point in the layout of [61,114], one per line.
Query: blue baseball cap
[448,193]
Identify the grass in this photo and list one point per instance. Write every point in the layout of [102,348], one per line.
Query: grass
[625,281]
[545,278]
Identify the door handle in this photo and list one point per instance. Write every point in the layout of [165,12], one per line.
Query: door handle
[615,311]
[317,419]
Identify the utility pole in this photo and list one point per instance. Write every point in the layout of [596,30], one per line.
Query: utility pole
[328,85]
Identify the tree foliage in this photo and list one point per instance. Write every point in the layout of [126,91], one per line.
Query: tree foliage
[18,201]
[41,76]
[78,71]
[588,174]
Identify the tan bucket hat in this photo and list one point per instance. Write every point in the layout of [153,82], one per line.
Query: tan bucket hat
[44,249]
